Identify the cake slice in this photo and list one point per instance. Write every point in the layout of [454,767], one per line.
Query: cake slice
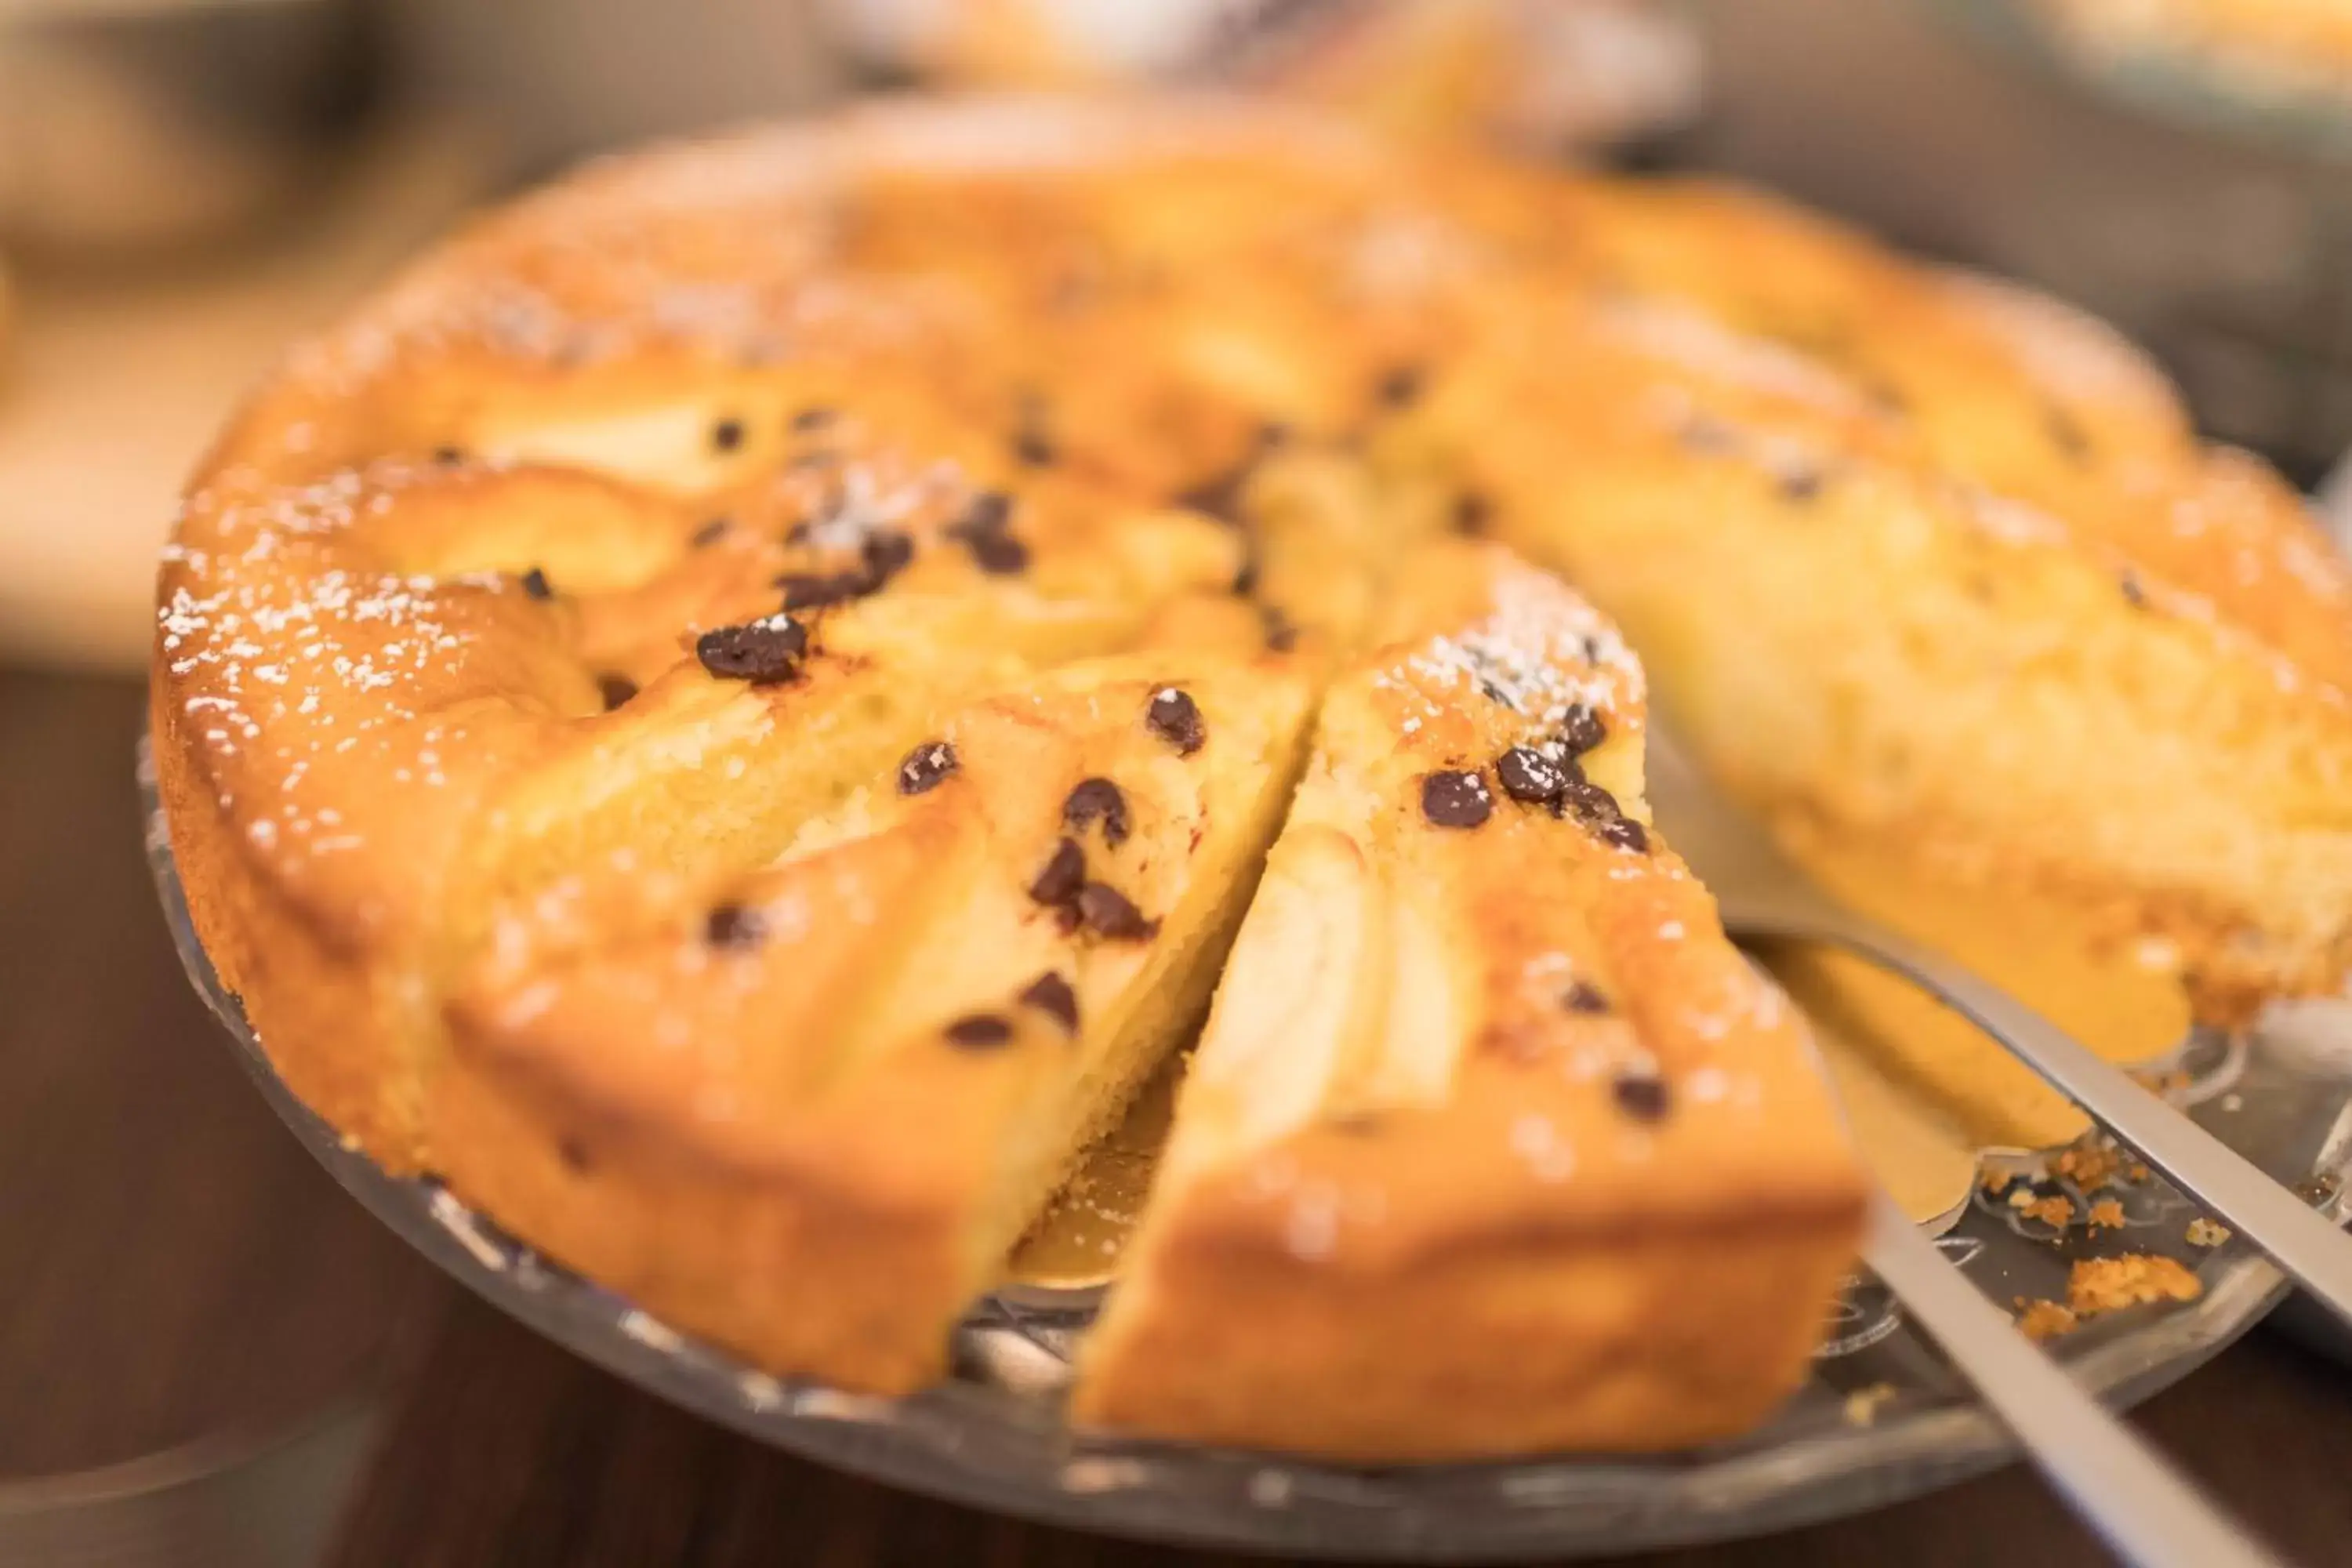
[809,1120]
[1493,1142]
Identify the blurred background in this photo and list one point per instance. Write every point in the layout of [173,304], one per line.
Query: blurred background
[185,185]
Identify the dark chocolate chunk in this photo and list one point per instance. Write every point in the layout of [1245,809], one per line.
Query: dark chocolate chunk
[1035,448]
[574,1153]
[1528,776]
[815,590]
[980,1032]
[1108,912]
[448,457]
[1052,995]
[1064,875]
[1641,1094]
[1801,485]
[809,420]
[732,925]
[1281,636]
[1626,834]
[535,584]
[990,511]
[616,689]
[1586,798]
[1451,799]
[1472,514]
[2134,594]
[999,555]
[1583,996]
[925,767]
[886,553]
[767,650]
[1246,580]
[1402,386]
[1096,799]
[2066,434]
[1176,719]
[1581,729]
[710,533]
[727,435]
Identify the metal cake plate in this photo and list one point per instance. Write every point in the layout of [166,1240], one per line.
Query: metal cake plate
[1883,1416]
[2171,83]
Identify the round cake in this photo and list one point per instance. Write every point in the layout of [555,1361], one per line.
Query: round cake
[740,711]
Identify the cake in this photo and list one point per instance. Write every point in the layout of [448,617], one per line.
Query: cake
[1493,1142]
[733,713]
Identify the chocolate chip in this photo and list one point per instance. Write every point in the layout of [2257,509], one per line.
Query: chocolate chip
[727,435]
[980,1032]
[574,1155]
[535,584]
[1096,799]
[616,689]
[817,590]
[999,555]
[809,420]
[886,552]
[1528,776]
[1641,1094]
[710,533]
[1801,485]
[1581,729]
[1453,799]
[1626,834]
[2134,594]
[990,511]
[1472,513]
[1246,580]
[767,650]
[732,925]
[1281,636]
[1176,719]
[1586,798]
[925,767]
[448,457]
[1035,448]
[1065,874]
[1402,386]
[1108,912]
[2066,434]
[1583,996]
[1051,994]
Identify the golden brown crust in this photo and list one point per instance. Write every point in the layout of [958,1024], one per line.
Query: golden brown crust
[1554,1094]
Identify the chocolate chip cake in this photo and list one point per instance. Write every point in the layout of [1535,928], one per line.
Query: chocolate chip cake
[733,713]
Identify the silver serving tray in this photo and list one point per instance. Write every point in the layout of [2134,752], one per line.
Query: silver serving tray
[993,1435]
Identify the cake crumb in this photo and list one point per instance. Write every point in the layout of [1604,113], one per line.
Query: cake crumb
[2089,1164]
[2108,1213]
[1862,1405]
[2109,1284]
[2203,1232]
[2044,1320]
[2056,1210]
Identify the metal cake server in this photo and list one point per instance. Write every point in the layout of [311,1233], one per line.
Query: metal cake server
[1762,895]
[2149,1512]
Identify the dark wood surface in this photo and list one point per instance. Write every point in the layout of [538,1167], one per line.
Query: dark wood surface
[171,1264]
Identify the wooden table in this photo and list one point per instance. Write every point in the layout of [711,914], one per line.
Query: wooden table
[172,1264]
